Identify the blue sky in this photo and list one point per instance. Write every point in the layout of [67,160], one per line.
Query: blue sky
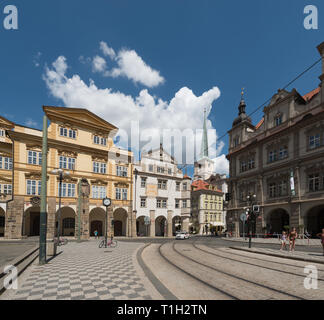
[259,45]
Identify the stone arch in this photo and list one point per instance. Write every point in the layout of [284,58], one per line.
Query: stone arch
[176,224]
[68,224]
[160,226]
[277,219]
[97,221]
[31,221]
[2,222]
[314,220]
[120,222]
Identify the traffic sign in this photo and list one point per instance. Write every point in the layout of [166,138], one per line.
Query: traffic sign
[243,217]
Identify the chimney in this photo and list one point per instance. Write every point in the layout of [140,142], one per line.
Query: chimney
[320,49]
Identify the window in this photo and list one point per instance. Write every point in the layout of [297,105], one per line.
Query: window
[68,190]
[143,182]
[2,133]
[160,170]
[6,188]
[67,163]
[34,187]
[177,186]
[236,142]
[185,186]
[99,167]
[34,157]
[103,141]
[251,163]
[313,182]
[314,141]
[99,192]
[272,190]
[68,223]
[99,140]
[169,171]
[5,163]
[282,188]
[177,203]
[243,166]
[278,120]
[122,171]
[96,139]
[273,156]
[143,202]
[64,132]
[184,203]
[159,203]
[283,152]
[162,184]
[121,193]
[164,203]
[151,167]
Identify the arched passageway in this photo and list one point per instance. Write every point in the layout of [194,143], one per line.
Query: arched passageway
[2,222]
[120,222]
[97,219]
[315,220]
[67,222]
[278,221]
[31,222]
[160,226]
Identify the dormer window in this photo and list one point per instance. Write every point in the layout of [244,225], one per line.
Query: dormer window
[2,133]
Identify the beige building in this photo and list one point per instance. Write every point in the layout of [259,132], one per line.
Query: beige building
[81,144]
[207,208]
[281,161]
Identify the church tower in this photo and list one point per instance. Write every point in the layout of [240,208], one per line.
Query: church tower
[204,167]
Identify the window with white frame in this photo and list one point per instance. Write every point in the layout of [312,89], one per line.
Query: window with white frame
[151,167]
[69,133]
[143,182]
[121,193]
[66,163]
[2,133]
[313,182]
[122,171]
[124,193]
[99,167]
[251,163]
[164,203]
[184,203]
[272,155]
[6,188]
[283,152]
[99,140]
[34,157]
[169,171]
[143,202]
[33,187]
[5,163]
[158,203]
[160,169]
[272,190]
[282,188]
[99,192]
[177,203]
[243,166]
[278,120]
[314,141]
[177,186]
[184,186]
[68,190]
[162,184]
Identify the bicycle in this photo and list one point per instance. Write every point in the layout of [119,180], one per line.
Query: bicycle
[61,242]
[110,243]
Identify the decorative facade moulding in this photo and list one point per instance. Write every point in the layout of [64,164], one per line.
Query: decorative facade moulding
[99,158]
[121,185]
[35,201]
[5,154]
[65,153]
[313,168]
[98,182]
[319,126]
[67,126]
[278,142]
[33,147]
[34,176]
[278,176]
[68,179]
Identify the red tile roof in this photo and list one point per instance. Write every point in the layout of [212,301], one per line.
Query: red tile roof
[186,177]
[202,185]
[311,94]
[259,124]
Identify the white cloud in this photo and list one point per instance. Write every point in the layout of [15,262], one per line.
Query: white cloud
[130,65]
[99,64]
[36,59]
[31,123]
[107,51]
[184,111]
[221,164]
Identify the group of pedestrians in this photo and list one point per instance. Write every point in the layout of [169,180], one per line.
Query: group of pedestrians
[292,236]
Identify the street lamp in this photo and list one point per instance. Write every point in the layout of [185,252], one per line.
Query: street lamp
[135,175]
[61,173]
[251,219]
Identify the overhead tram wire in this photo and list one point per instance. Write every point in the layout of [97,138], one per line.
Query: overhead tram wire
[267,101]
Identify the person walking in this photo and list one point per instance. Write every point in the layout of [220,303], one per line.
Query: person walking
[283,240]
[96,234]
[321,235]
[292,239]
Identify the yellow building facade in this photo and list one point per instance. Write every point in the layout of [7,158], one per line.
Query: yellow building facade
[81,144]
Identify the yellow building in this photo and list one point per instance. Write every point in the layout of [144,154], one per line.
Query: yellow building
[207,207]
[81,144]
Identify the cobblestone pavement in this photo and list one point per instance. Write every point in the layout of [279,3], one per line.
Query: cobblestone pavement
[11,250]
[299,242]
[83,271]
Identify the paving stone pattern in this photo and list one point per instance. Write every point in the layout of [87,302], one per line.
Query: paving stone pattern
[84,272]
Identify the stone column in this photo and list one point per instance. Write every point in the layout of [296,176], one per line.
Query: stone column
[294,216]
[85,218]
[51,202]
[134,235]
[152,225]
[109,226]
[185,224]
[169,226]
[14,218]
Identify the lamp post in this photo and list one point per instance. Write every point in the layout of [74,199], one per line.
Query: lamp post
[135,175]
[84,190]
[251,219]
[61,173]
[106,202]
